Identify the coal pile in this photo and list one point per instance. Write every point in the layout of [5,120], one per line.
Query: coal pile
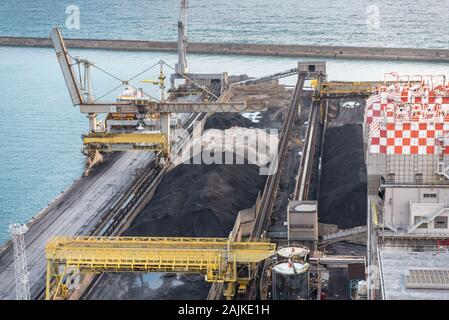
[150,286]
[343,188]
[225,121]
[197,200]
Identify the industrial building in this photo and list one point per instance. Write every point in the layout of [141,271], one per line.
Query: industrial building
[405,129]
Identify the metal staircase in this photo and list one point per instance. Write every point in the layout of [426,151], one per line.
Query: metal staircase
[427,219]
[390,226]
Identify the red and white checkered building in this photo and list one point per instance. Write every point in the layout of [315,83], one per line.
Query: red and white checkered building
[408,120]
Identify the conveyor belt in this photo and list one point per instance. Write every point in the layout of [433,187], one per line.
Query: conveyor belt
[272,183]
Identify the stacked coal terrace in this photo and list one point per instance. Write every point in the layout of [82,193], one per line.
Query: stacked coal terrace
[342,199]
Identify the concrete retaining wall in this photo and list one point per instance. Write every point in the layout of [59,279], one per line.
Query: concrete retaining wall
[372,53]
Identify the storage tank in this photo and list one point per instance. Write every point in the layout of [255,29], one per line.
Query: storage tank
[296,253]
[290,281]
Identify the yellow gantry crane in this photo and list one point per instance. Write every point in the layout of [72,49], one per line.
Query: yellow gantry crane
[218,259]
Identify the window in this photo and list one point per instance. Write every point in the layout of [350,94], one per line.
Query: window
[423,225]
[429,195]
[418,178]
[440,223]
[302,226]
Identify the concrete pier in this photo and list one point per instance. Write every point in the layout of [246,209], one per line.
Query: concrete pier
[342,52]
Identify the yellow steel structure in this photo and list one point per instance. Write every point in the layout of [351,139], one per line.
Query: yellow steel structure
[124,138]
[217,258]
[374,212]
[335,88]
[140,141]
[121,116]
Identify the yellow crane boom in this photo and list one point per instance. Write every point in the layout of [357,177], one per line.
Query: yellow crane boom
[217,258]
[335,88]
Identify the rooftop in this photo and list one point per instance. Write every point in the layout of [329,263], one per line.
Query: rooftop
[398,263]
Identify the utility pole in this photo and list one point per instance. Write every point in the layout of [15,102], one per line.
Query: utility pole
[18,231]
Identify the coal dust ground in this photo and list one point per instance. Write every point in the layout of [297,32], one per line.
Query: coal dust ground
[342,199]
[192,200]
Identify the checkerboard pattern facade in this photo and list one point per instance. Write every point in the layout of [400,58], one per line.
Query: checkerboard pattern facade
[406,129]
[408,138]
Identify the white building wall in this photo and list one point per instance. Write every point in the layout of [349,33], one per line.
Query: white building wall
[402,204]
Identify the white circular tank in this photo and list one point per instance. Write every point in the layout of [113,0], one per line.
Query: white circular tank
[293,253]
[291,268]
[290,281]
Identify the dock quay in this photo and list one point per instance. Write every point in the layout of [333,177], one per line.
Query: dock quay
[250,49]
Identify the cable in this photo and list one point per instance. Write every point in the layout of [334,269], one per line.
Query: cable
[97,67]
[185,77]
[204,89]
[149,95]
[127,82]
[122,82]
[104,95]
[108,73]
[147,69]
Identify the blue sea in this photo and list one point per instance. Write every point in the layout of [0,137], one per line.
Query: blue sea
[40,132]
